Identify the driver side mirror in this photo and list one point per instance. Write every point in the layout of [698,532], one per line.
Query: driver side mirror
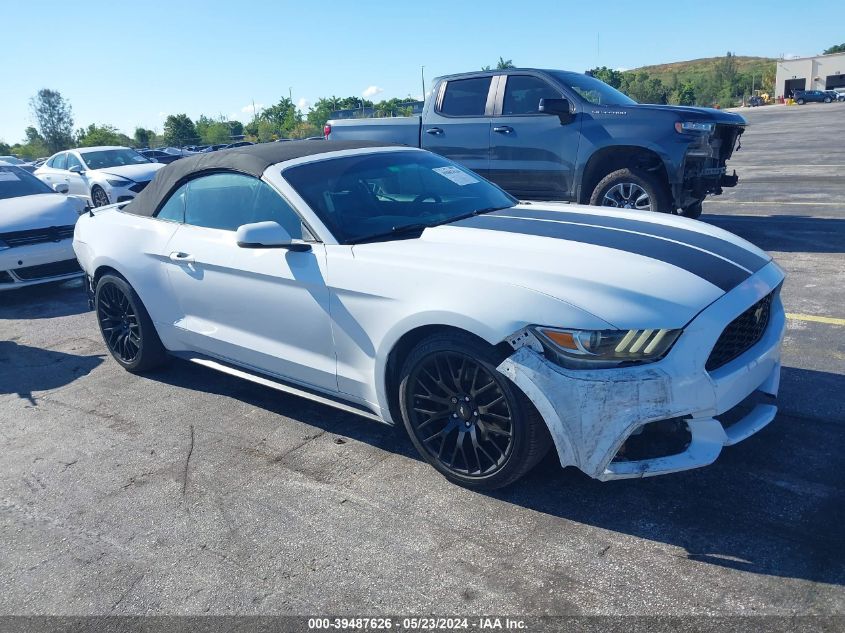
[559,107]
[61,187]
[268,235]
[76,169]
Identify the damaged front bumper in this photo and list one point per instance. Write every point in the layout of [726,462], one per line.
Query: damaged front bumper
[667,416]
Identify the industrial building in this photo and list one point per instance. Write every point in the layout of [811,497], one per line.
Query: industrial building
[822,72]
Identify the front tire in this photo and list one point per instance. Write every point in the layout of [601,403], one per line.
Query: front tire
[693,211]
[464,417]
[127,329]
[632,189]
[827,99]
[799,101]
[99,197]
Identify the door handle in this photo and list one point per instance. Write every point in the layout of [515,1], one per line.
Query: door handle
[434,130]
[181,258]
[504,129]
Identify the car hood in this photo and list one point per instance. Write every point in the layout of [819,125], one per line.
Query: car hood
[138,173]
[632,270]
[37,212]
[697,114]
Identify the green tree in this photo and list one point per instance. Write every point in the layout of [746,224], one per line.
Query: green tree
[322,109]
[236,128]
[643,88]
[5,148]
[217,132]
[54,118]
[282,116]
[502,64]
[607,75]
[836,48]
[684,94]
[180,130]
[143,138]
[100,135]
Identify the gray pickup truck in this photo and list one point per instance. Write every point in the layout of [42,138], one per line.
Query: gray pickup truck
[556,135]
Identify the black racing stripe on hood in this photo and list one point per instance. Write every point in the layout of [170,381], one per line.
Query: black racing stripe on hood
[716,270]
[733,252]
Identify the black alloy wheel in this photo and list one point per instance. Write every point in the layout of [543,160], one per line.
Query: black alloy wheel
[99,197]
[466,418]
[460,414]
[126,326]
[119,323]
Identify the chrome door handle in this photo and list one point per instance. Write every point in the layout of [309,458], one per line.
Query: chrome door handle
[434,130]
[504,129]
[181,258]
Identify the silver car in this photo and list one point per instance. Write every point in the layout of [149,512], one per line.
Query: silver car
[99,175]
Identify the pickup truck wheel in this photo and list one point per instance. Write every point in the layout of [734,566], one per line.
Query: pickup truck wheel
[692,211]
[466,418]
[126,326]
[632,189]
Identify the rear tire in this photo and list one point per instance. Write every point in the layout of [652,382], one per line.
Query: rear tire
[127,329]
[692,211]
[464,417]
[632,189]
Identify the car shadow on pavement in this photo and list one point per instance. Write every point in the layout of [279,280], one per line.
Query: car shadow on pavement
[773,505]
[24,369]
[785,233]
[45,301]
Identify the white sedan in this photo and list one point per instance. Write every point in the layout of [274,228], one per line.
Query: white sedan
[100,175]
[36,230]
[395,284]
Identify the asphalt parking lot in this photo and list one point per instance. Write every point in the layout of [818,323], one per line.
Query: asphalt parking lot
[191,492]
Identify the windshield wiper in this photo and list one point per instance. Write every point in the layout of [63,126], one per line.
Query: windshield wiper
[396,231]
[472,214]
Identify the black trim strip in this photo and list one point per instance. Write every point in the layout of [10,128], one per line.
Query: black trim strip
[716,270]
[718,246]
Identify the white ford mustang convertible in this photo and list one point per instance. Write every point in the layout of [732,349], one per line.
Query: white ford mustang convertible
[394,284]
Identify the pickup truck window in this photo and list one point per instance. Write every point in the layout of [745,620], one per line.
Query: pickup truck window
[359,197]
[466,97]
[593,90]
[523,94]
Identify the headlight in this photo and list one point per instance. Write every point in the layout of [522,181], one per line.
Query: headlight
[605,348]
[118,183]
[694,126]
[3,245]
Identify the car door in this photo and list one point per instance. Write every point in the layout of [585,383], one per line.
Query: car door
[457,125]
[532,155]
[263,308]
[54,171]
[77,181]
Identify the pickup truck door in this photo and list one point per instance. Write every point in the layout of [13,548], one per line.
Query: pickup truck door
[532,155]
[457,125]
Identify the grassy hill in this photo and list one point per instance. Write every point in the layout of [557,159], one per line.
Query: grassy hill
[698,69]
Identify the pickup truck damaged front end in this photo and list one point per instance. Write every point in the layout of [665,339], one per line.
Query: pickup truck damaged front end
[704,166]
[671,415]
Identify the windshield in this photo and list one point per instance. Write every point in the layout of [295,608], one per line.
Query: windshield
[12,160]
[360,197]
[593,90]
[15,182]
[112,158]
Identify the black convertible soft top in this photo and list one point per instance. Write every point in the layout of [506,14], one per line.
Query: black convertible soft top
[249,159]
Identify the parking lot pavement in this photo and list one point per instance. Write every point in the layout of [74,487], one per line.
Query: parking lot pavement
[191,492]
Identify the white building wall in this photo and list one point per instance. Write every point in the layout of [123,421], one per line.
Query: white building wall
[815,70]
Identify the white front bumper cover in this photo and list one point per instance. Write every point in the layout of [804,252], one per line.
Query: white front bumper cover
[591,413]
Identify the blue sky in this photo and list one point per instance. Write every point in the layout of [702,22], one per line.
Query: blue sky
[131,63]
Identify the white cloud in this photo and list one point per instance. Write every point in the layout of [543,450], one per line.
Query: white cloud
[161,115]
[252,107]
[303,104]
[372,91]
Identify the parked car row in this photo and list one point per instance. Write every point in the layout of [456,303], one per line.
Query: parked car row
[818,96]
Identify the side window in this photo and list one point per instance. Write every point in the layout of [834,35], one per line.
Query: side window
[523,94]
[174,209]
[226,201]
[466,97]
[73,161]
[59,161]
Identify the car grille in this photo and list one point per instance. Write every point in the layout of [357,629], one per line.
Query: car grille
[138,187]
[37,236]
[54,269]
[741,334]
